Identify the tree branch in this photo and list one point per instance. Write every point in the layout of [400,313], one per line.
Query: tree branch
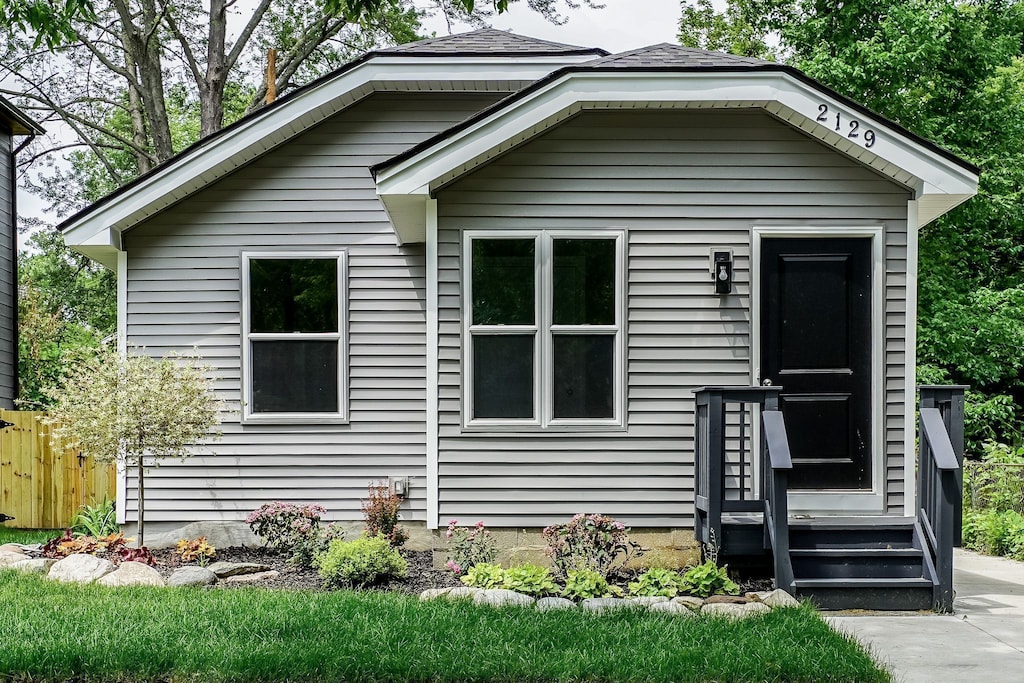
[190,57]
[243,37]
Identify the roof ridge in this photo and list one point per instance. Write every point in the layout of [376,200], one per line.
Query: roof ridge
[486,40]
[692,56]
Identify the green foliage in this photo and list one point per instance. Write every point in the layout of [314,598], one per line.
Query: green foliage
[96,520]
[993,521]
[484,575]
[530,579]
[284,526]
[381,511]
[469,546]
[657,582]
[708,579]
[593,542]
[361,562]
[51,22]
[309,546]
[995,532]
[586,583]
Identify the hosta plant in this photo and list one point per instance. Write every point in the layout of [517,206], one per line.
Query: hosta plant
[530,579]
[708,579]
[657,582]
[585,583]
[484,575]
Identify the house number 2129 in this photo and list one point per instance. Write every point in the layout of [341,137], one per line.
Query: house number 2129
[852,129]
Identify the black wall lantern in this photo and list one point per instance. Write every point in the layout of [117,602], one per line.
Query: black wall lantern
[721,269]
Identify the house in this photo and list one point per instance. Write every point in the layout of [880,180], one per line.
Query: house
[498,270]
[13,122]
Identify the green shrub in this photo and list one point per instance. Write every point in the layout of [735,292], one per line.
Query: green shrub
[995,532]
[484,575]
[585,583]
[96,520]
[306,548]
[708,579]
[283,526]
[655,582]
[530,579]
[365,561]
[592,542]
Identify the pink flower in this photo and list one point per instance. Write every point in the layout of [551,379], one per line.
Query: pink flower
[456,569]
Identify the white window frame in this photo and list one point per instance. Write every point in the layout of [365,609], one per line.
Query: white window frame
[544,332]
[341,336]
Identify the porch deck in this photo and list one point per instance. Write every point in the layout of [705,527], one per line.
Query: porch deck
[854,561]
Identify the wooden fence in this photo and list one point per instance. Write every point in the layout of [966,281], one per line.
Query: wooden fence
[42,484]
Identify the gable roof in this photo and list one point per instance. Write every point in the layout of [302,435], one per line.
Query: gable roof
[490,42]
[17,120]
[508,64]
[666,76]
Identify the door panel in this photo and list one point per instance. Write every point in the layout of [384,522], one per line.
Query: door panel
[816,343]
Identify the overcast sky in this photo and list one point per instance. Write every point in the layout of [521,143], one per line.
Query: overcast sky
[621,25]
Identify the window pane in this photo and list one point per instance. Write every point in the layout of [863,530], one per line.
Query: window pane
[295,376]
[503,282]
[584,383]
[293,295]
[584,282]
[503,376]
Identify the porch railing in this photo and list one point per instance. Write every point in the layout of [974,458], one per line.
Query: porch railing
[776,509]
[940,484]
[727,462]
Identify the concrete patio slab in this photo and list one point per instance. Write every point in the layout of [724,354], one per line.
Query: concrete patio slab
[982,642]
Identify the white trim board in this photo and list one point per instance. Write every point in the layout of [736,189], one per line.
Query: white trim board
[940,183]
[836,502]
[432,430]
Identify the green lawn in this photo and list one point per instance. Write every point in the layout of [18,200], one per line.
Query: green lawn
[11,535]
[55,632]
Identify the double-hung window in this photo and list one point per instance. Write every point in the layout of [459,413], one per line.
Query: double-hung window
[544,329]
[293,337]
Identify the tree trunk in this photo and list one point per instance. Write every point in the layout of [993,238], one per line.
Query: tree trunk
[211,90]
[142,502]
[138,118]
[143,46]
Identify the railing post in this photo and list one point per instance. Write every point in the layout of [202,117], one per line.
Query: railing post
[716,463]
[950,402]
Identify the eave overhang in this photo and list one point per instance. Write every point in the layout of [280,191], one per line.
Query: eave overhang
[96,230]
[17,121]
[940,181]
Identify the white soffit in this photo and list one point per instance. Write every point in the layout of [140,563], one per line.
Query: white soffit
[938,182]
[94,230]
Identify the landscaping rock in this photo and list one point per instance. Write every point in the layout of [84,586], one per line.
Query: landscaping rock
[689,601]
[672,608]
[434,593]
[133,574]
[192,576]
[726,599]
[34,565]
[225,569]
[253,578]
[219,534]
[548,604]
[735,610]
[500,597]
[779,598]
[8,558]
[606,604]
[461,592]
[12,548]
[80,568]
[648,600]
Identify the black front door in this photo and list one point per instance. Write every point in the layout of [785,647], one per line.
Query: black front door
[816,344]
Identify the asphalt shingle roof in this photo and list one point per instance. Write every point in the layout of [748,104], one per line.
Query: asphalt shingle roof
[668,55]
[487,41]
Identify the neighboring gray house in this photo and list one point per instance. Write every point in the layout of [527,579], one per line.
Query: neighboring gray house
[499,267]
[13,122]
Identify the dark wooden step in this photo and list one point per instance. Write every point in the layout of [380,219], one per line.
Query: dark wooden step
[849,563]
[867,593]
[863,532]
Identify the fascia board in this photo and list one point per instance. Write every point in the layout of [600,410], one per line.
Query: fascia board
[262,133]
[777,92]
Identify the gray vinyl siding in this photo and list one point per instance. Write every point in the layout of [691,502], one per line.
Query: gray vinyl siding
[8,327]
[678,182]
[313,193]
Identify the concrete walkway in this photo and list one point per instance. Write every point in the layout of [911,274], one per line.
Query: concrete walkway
[983,641]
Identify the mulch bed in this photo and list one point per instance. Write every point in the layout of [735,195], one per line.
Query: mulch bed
[421,575]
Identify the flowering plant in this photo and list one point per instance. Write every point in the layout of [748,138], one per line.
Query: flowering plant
[591,542]
[468,546]
[195,550]
[282,526]
[381,511]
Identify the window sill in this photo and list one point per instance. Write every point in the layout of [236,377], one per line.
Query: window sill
[485,429]
[294,418]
